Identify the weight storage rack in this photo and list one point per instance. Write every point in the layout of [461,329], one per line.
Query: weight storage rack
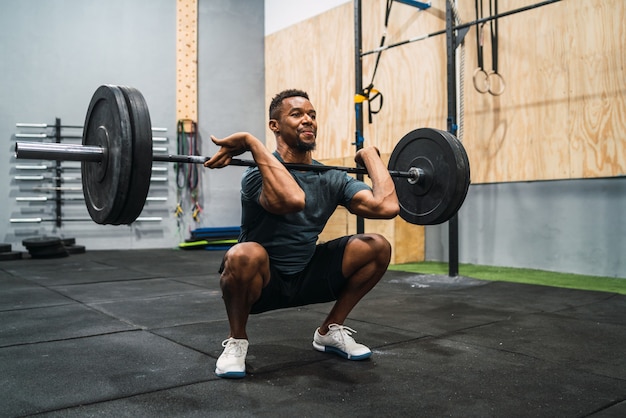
[63,180]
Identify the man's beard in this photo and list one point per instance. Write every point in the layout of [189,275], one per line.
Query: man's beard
[305,146]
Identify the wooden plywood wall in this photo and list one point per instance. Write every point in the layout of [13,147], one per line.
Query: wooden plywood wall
[187,60]
[562,113]
[316,56]
[561,116]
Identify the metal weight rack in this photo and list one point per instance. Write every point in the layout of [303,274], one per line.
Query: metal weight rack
[64,181]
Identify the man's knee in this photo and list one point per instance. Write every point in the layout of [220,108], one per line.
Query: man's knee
[375,245]
[244,260]
[366,249]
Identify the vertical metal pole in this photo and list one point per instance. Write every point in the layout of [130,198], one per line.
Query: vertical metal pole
[358,87]
[58,173]
[453,223]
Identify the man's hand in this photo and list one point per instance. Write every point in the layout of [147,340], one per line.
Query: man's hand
[231,146]
[358,157]
[381,202]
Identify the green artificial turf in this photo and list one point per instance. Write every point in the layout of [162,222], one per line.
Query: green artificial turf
[519,275]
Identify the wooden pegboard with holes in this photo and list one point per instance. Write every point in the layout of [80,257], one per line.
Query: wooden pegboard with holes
[187,60]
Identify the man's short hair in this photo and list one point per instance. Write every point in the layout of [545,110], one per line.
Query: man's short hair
[277,101]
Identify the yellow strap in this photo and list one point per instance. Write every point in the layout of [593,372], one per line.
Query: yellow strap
[359,98]
[178,211]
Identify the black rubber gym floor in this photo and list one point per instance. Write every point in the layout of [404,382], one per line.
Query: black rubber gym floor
[136,333]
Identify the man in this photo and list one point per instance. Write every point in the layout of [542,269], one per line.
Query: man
[277,262]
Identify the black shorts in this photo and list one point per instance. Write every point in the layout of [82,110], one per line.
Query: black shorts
[321,280]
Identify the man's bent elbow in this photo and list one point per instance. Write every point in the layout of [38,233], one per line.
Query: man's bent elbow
[289,204]
[386,210]
[292,206]
[390,210]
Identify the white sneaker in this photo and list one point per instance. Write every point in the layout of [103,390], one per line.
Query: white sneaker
[339,341]
[232,362]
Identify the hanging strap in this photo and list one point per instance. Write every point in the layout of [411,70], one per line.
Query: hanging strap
[480,77]
[382,42]
[369,93]
[495,80]
[493,26]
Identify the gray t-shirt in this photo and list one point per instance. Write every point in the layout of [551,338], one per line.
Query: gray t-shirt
[290,239]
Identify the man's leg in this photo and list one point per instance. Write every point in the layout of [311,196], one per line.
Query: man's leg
[245,273]
[365,261]
[366,258]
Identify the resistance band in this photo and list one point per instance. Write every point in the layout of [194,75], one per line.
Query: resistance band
[187,176]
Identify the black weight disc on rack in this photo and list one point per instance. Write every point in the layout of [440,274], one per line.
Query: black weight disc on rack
[10,255]
[68,241]
[41,242]
[75,249]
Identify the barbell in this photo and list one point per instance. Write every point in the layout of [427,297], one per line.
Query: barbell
[429,167]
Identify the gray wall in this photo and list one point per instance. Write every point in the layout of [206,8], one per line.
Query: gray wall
[576,226]
[56,53]
[231,94]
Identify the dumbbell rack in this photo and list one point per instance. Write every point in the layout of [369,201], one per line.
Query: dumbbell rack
[57,170]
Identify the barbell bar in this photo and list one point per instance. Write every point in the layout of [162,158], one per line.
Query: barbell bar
[429,167]
[74,199]
[46,125]
[40,220]
[75,152]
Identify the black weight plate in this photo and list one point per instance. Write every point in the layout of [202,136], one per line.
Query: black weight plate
[41,242]
[106,183]
[68,241]
[75,249]
[439,194]
[10,255]
[54,251]
[5,248]
[142,156]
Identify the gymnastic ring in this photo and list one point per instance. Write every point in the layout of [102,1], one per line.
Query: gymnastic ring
[485,80]
[500,82]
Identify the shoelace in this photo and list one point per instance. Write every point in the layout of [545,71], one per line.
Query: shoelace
[233,347]
[343,330]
